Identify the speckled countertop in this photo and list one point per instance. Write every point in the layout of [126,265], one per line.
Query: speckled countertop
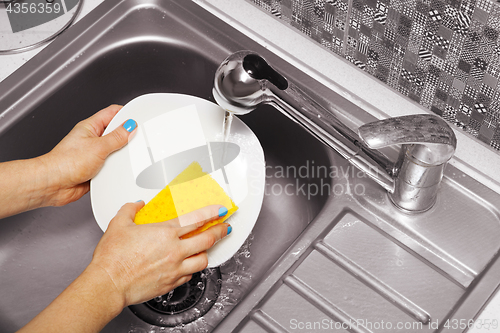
[472,157]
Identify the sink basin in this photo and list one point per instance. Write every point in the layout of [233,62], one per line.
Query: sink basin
[328,246]
[42,251]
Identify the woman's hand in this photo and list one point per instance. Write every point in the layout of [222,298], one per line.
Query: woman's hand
[62,175]
[131,264]
[145,261]
[81,154]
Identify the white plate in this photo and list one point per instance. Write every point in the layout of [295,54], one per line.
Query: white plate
[168,126]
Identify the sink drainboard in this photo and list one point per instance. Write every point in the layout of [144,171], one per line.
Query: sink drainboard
[342,283]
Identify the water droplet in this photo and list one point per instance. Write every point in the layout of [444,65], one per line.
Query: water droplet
[200,285]
[164,303]
[158,299]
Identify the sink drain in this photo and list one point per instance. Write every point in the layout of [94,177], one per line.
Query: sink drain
[185,303]
[180,299]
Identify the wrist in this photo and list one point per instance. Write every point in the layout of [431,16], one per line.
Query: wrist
[105,291]
[24,185]
[48,175]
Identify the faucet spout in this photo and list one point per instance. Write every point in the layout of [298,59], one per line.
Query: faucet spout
[239,88]
[245,80]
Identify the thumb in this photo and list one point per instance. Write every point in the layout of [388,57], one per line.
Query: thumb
[119,137]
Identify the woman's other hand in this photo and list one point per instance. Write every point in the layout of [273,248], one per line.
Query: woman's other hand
[81,154]
[131,264]
[145,261]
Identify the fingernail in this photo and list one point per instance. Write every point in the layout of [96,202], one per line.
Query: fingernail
[138,200]
[130,125]
[222,211]
[229,229]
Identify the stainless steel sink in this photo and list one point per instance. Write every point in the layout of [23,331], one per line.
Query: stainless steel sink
[331,250]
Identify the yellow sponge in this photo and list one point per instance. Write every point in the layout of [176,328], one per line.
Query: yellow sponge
[192,189]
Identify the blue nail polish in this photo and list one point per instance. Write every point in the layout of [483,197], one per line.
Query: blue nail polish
[138,200]
[229,229]
[222,211]
[130,125]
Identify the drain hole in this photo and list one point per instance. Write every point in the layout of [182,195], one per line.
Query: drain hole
[185,303]
[181,298]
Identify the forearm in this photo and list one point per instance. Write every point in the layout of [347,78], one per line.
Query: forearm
[62,175]
[87,305]
[24,185]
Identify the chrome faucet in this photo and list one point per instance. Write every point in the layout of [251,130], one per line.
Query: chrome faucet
[244,80]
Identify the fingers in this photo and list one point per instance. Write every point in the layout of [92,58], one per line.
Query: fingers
[206,239]
[101,119]
[182,280]
[195,263]
[193,220]
[118,137]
